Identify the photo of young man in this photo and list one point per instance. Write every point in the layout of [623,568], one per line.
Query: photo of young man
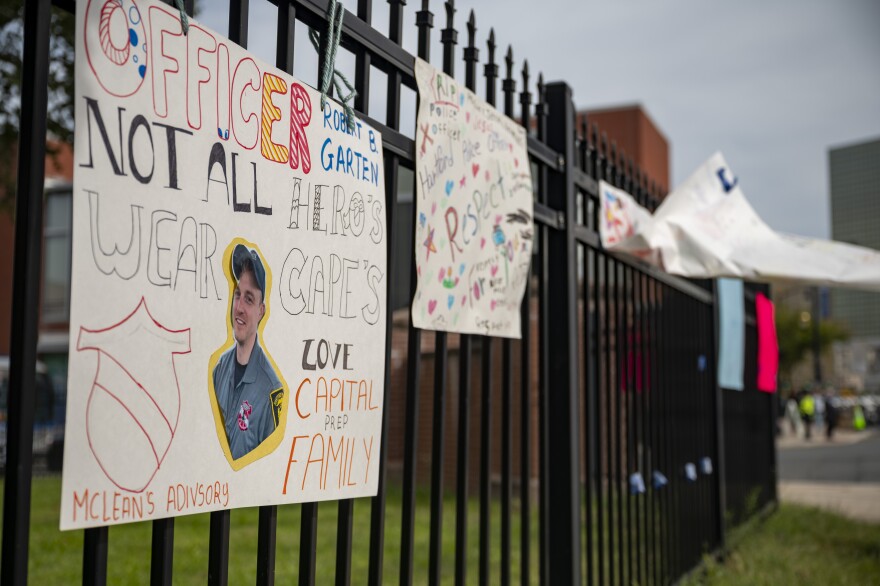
[249,392]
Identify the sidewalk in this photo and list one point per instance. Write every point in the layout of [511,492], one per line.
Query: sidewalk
[859,501]
[842,437]
[856,500]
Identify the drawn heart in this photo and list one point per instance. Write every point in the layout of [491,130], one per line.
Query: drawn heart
[482,243]
[449,185]
[442,273]
[450,301]
[463,299]
[475,168]
[476,291]
[433,208]
[432,305]
[516,162]
[467,116]
[494,269]
[492,305]
[461,269]
[487,175]
[510,147]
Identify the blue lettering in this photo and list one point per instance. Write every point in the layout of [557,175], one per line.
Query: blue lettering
[728,187]
[326,161]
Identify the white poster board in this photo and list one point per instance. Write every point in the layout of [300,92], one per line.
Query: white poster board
[474,208]
[706,228]
[229,274]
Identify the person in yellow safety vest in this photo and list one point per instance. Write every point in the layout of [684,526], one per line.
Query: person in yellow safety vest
[858,418]
[808,411]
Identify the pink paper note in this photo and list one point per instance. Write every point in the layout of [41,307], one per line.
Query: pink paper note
[768,347]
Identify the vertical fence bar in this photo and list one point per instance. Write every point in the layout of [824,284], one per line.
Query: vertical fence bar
[268,515]
[266,545]
[720,459]
[461,499]
[543,346]
[218,549]
[238,22]
[377,507]
[162,551]
[608,394]
[344,521]
[564,510]
[617,381]
[286,36]
[25,285]
[94,557]
[658,521]
[363,60]
[509,89]
[308,543]
[600,368]
[589,364]
[663,433]
[485,458]
[218,544]
[437,451]
[629,389]
[464,386]
[485,440]
[414,341]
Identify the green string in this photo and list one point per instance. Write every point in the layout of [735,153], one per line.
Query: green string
[184,19]
[329,74]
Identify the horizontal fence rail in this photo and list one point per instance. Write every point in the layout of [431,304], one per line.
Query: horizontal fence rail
[503,461]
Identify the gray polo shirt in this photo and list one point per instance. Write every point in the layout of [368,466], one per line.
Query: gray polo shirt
[251,409]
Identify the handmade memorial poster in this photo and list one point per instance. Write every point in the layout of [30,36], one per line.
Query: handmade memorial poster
[731,335]
[473,239]
[227,316]
[768,345]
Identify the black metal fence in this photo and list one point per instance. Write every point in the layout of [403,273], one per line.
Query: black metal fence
[535,443]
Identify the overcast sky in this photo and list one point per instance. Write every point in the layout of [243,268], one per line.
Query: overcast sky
[771,84]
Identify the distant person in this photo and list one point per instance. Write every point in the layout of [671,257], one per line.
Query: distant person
[820,410]
[792,413]
[831,416]
[808,412]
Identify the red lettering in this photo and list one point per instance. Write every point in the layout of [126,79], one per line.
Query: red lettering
[452,231]
[296,402]
[290,461]
[312,460]
[300,116]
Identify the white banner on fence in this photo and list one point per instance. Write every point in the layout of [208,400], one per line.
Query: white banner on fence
[229,275]
[706,228]
[474,206]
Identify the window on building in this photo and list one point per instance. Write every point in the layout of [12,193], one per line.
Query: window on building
[56,257]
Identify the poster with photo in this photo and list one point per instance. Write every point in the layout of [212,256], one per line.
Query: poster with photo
[475,211]
[227,316]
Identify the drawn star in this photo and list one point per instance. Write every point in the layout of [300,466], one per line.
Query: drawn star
[429,244]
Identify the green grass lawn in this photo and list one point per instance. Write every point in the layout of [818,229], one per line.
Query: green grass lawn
[799,545]
[795,545]
[56,557]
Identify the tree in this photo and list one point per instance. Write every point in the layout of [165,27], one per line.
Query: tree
[795,334]
[60,87]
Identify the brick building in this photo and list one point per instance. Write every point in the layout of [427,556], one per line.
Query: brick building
[635,133]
